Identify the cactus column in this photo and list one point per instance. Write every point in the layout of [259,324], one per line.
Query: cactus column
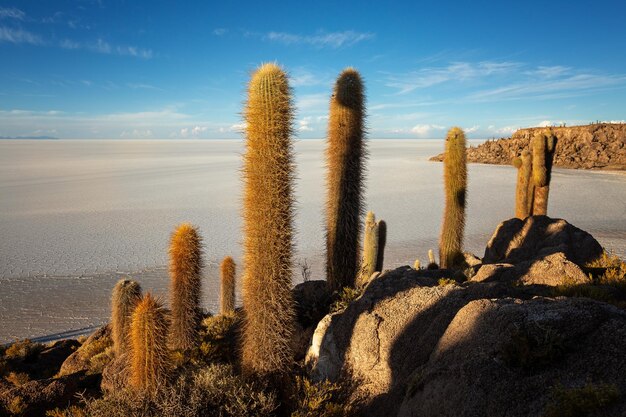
[455,179]
[126,295]
[543,146]
[268,172]
[227,281]
[524,171]
[345,153]
[370,249]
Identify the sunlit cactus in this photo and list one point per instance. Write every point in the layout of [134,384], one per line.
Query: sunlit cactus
[417,265]
[227,281]
[370,249]
[185,282]
[149,356]
[381,225]
[455,179]
[126,295]
[345,155]
[543,147]
[432,262]
[524,171]
[268,172]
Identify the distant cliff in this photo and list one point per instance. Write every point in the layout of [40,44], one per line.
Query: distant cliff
[597,146]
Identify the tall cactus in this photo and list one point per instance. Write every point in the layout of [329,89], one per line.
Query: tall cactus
[381,225]
[268,172]
[524,171]
[150,363]
[185,283]
[455,178]
[543,146]
[227,281]
[126,295]
[370,249]
[345,155]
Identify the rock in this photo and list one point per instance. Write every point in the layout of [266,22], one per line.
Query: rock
[312,302]
[48,361]
[551,270]
[95,344]
[509,357]
[516,241]
[598,146]
[36,397]
[388,332]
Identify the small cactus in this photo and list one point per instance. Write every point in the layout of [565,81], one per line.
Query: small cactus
[543,147]
[432,262]
[381,225]
[185,282]
[149,360]
[345,156]
[126,295]
[268,172]
[417,265]
[227,280]
[455,178]
[370,249]
[524,171]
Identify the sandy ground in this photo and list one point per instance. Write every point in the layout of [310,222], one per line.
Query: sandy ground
[75,216]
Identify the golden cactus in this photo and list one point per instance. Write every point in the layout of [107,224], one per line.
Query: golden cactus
[268,172]
[370,249]
[345,155]
[543,147]
[524,171]
[455,178]
[417,265]
[227,281]
[432,262]
[149,356]
[126,294]
[185,282]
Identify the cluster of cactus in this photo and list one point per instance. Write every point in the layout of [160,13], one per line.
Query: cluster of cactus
[268,172]
[345,154]
[455,180]
[534,174]
[373,248]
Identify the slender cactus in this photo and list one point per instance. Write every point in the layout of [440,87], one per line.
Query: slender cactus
[150,363]
[345,155]
[543,148]
[417,265]
[381,225]
[370,249]
[126,295]
[524,171]
[455,178]
[268,172]
[185,283]
[227,279]
[432,262]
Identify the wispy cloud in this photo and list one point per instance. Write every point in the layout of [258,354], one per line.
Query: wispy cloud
[321,39]
[103,47]
[19,36]
[141,86]
[11,13]
[220,31]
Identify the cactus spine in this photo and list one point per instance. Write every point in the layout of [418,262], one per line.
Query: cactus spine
[126,294]
[227,280]
[185,282]
[370,249]
[543,146]
[149,366]
[345,154]
[455,178]
[268,216]
[524,171]
[381,225]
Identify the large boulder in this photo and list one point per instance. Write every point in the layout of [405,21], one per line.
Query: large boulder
[513,358]
[91,355]
[516,241]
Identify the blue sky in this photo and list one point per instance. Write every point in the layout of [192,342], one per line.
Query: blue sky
[156,69]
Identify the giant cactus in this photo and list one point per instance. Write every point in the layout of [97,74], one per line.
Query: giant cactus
[126,294]
[185,281]
[524,171]
[268,172]
[543,147]
[345,154]
[455,179]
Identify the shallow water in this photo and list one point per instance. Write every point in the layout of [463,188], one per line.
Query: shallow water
[75,215]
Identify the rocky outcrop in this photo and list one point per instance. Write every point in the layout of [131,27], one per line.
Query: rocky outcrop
[596,146]
[83,358]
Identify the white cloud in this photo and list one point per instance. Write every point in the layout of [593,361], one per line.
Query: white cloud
[137,134]
[304,125]
[472,129]
[11,13]
[425,129]
[141,86]
[321,39]
[18,36]
[220,31]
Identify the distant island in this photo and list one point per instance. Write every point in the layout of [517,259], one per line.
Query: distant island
[28,137]
[594,146]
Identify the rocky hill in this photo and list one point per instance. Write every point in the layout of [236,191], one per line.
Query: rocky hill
[597,146]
